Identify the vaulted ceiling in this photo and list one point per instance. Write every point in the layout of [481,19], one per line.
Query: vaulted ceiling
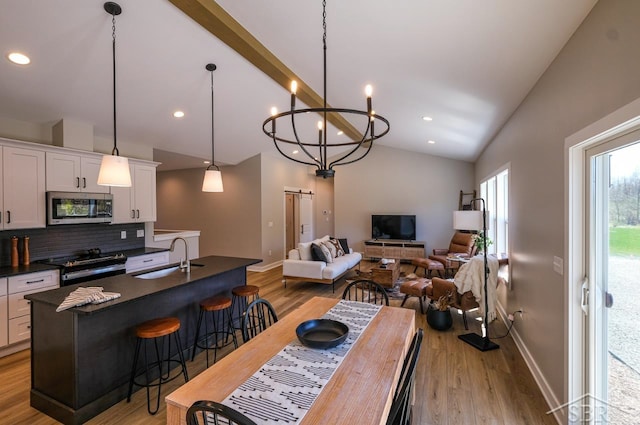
[466,64]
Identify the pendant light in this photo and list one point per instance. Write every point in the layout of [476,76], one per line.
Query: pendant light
[212,176]
[114,169]
[323,153]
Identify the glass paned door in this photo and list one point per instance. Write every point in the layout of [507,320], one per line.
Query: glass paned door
[613,336]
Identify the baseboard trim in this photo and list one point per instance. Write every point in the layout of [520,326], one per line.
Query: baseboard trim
[265,267]
[547,393]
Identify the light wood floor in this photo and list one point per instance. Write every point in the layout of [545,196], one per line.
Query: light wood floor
[455,383]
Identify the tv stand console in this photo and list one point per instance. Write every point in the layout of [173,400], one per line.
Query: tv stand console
[391,248]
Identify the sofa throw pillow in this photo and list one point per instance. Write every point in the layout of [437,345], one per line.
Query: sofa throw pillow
[345,246]
[327,253]
[304,248]
[317,254]
[335,248]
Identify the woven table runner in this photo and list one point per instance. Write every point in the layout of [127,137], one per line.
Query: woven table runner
[284,389]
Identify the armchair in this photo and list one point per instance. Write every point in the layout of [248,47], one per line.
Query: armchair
[463,302]
[462,244]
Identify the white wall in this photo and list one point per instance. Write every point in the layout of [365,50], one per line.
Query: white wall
[595,74]
[392,181]
[276,174]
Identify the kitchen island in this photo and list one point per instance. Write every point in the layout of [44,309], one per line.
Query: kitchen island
[81,357]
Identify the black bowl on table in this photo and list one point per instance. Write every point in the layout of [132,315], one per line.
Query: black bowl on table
[322,333]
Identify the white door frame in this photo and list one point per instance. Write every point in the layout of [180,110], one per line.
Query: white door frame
[616,124]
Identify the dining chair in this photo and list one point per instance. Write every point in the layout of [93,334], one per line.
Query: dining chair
[400,413]
[258,317]
[206,412]
[366,291]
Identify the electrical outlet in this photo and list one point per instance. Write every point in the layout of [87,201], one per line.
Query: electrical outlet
[140,233]
[123,234]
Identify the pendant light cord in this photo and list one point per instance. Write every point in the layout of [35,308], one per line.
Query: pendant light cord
[323,151]
[115,136]
[213,162]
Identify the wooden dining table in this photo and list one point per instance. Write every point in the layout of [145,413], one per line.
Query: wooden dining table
[359,392]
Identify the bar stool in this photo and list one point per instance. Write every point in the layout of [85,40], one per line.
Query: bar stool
[219,306]
[157,329]
[242,296]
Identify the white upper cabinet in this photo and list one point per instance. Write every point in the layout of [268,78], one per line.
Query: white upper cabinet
[74,173]
[23,188]
[138,202]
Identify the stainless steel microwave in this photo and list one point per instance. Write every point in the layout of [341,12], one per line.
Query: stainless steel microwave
[79,208]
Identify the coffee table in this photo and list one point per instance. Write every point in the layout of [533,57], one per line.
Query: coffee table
[386,275]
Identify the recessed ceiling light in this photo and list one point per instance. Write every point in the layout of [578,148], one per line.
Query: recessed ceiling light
[178,114]
[19,58]
[295,152]
[340,133]
[427,118]
[207,162]
[431,142]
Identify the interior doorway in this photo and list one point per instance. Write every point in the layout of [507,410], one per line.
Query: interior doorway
[298,218]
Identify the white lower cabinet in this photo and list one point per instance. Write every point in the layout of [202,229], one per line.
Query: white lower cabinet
[4,318]
[17,310]
[147,261]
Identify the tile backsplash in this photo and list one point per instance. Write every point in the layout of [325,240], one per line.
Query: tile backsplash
[63,240]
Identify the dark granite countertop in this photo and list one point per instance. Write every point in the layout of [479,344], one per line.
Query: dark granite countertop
[142,251]
[8,271]
[132,288]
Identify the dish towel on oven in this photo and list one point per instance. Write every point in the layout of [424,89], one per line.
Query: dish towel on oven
[90,295]
[285,387]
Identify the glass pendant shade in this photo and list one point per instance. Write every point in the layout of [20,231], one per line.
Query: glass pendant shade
[212,181]
[114,171]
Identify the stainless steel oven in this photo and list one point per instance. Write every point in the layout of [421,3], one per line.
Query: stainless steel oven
[89,266]
[79,208]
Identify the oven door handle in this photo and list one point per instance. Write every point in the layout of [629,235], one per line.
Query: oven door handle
[89,272]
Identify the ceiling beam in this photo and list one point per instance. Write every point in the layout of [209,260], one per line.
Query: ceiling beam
[212,17]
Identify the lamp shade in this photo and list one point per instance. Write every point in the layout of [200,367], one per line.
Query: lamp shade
[114,171]
[212,181]
[467,220]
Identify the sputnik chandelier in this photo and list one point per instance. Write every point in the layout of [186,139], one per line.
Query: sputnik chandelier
[317,152]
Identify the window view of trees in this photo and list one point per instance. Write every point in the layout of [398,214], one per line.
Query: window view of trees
[624,198]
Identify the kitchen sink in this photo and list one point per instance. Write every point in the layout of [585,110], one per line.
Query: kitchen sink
[156,274]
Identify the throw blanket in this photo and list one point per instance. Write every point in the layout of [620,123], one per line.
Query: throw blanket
[470,277]
[82,296]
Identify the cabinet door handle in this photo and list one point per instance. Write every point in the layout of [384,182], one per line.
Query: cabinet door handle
[0,216]
[147,261]
[133,213]
[137,213]
[84,182]
[8,216]
[78,182]
[29,282]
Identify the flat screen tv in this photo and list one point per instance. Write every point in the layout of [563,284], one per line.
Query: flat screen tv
[402,227]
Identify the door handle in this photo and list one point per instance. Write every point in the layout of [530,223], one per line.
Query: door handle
[137,213]
[608,300]
[8,216]
[78,182]
[84,182]
[133,213]
[584,302]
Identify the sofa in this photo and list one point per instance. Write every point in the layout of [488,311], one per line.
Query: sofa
[303,263]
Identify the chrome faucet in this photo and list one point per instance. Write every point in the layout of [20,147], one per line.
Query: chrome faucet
[184,264]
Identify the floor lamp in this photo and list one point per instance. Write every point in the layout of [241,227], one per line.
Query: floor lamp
[477,220]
